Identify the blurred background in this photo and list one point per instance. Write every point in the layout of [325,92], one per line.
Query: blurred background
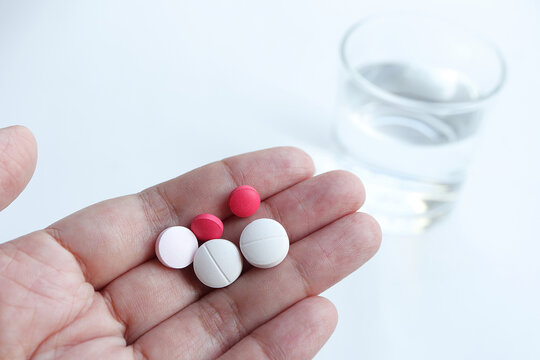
[121,95]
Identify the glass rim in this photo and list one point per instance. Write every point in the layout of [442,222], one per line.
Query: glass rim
[415,103]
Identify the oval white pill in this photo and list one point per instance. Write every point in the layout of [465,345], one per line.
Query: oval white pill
[176,247]
[217,263]
[264,243]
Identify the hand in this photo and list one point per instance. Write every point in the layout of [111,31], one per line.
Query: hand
[89,285]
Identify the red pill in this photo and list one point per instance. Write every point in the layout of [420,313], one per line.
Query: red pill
[207,227]
[244,201]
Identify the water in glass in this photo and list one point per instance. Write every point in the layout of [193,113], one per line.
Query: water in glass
[412,159]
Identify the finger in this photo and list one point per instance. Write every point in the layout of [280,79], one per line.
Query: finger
[308,206]
[18,156]
[213,324]
[112,237]
[297,333]
[150,293]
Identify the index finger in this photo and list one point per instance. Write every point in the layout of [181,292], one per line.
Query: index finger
[113,236]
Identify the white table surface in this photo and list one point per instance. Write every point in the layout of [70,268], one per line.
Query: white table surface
[120,95]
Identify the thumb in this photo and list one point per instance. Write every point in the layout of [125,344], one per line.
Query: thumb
[18,156]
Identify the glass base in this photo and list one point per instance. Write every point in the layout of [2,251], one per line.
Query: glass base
[402,205]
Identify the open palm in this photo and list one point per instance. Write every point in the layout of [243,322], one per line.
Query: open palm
[89,285]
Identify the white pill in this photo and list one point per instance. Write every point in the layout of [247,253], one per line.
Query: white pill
[264,243]
[176,247]
[217,263]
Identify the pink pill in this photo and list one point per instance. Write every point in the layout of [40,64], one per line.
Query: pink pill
[244,201]
[207,227]
[176,246]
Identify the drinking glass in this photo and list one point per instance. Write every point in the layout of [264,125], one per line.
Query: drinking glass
[412,93]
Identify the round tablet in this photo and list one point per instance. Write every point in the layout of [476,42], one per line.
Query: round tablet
[176,246]
[244,201]
[207,227]
[217,263]
[264,243]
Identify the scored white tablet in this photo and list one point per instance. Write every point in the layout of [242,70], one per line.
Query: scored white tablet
[264,243]
[217,263]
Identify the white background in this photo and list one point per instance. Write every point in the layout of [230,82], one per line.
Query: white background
[124,94]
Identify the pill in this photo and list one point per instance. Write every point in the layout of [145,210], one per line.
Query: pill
[176,247]
[264,243]
[244,201]
[217,263]
[207,227]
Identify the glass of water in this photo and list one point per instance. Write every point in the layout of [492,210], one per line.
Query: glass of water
[412,94]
